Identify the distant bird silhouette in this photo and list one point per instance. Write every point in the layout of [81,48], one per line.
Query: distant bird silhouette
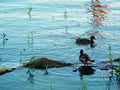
[84,58]
[85,40]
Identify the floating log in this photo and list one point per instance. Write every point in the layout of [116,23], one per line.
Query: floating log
[3,71]
[42,63]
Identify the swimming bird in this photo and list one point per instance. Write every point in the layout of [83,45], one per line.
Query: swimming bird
[84,58]
[85,40]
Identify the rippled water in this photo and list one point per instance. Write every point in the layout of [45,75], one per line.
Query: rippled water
[55,24]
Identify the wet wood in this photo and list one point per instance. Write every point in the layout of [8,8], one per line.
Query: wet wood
[3,71]
[42,63]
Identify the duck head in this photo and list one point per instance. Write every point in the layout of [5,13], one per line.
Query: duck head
[81,52]
[92,38]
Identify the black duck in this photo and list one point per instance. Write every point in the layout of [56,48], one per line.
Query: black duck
[84,58]
[85,40]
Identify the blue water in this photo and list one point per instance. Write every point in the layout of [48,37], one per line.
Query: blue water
[54,37]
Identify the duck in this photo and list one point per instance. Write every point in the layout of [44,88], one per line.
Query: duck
[85,58]
[85,40]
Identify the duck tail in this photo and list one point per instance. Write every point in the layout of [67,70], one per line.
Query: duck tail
[92,60]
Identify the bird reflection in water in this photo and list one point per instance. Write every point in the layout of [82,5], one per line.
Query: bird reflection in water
[85,70]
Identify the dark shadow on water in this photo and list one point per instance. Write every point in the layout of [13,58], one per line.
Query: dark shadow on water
[85,70]
[118,81]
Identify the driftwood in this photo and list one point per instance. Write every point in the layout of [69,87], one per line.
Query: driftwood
[3,71]
[40,63]
[43,63]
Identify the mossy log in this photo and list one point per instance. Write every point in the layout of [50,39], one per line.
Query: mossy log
[42,63]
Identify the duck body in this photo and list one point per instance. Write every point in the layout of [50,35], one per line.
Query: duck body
[84,58]
[85,40]
[82,41]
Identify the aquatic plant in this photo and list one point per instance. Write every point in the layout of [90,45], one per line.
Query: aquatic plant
[53,18]
[84,86]
[29,11]
[81,76]
[4,38]
[21,57]
[46,70]
[66,29]
[107,85]
[51,88]
[65,14]
[31,62]
[110,56]
[1,58]
[30,67]
[30,38]
[83,83]
[117,70]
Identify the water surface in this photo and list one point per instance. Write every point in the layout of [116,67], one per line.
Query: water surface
[55,24]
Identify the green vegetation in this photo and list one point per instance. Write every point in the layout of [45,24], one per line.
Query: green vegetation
[46,70]
[83,83]
[29,11]
[66,29]
[51,88]
[30,37]
[84,86]
[118,68]
[110,58]
[31,63]
[21,57]
[107,85]
[1,58]
[65,14]
[4,38]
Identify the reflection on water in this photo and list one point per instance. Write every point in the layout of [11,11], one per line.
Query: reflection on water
[99,15]
[86,70]
[55,23]
[118,81]
[30,76]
